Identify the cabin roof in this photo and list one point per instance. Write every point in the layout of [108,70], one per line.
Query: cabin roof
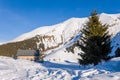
[26,52]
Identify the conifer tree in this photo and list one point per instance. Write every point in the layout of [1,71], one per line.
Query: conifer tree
[95,41]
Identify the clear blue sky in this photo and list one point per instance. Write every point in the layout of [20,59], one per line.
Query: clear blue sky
[20,16]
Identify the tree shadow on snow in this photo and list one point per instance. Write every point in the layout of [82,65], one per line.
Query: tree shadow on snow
[72,66]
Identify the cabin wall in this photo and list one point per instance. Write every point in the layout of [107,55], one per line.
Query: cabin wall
[26,57]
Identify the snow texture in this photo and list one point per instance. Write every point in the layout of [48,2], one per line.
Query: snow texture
[17,69]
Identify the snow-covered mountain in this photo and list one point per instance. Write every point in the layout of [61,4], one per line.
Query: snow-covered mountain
[71,27]
[67,29]
[59,64]
[60,36]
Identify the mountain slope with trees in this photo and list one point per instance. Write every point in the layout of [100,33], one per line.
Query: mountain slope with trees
[57,38]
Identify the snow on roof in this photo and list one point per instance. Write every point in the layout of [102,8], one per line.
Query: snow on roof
[26,52]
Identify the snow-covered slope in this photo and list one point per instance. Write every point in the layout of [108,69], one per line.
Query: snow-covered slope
[64,34]
[115,43]
[111,19]
[11,69]
[56,35]
[67,29]
[71,26]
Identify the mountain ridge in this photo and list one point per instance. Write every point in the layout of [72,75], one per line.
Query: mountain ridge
[46,29]
[58,37]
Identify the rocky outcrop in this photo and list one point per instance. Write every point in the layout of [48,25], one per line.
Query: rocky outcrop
[46,42]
